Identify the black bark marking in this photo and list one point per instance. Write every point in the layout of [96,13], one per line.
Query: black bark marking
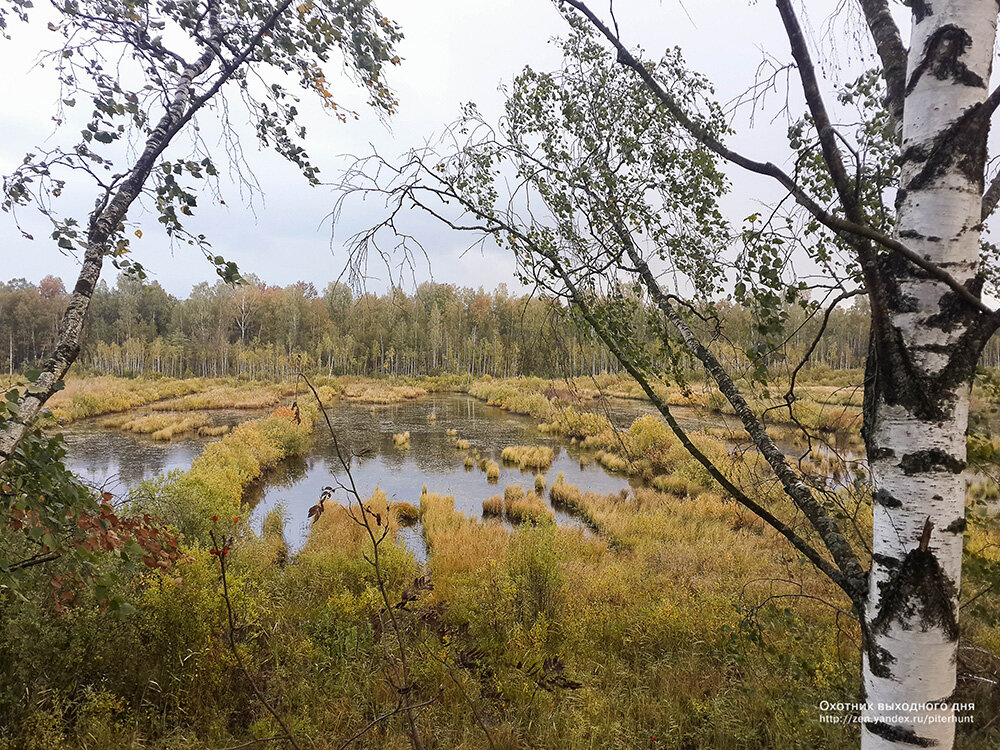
[953,311]
[962,145]
[934,459]
[913,234]
[880,453]
[885,561]
[920,10]
[880,661]
[942,54]
[898,734]
[886,499]
[919,589]
[957,526]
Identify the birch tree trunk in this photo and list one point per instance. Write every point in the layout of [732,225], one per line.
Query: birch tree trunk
[923,362]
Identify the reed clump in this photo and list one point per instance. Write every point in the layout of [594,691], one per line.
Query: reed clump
[238,395]
[181,427]
[577,424]
[213,431]
[528,457]
[569,498]
[381,393]
[517,506]
[520,396]
[90,397]
[462,445]
[401,440]
[675,484]
[493,506]
[406,514]
[492,471]
[161,425]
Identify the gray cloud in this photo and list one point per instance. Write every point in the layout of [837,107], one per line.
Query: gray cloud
[455,51]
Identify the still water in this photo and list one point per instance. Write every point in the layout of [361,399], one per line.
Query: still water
[117,460]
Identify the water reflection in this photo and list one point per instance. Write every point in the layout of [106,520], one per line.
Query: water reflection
[116,461]
[121,460]
[432,459]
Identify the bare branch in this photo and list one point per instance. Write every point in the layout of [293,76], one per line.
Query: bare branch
[890,49]
[831,220]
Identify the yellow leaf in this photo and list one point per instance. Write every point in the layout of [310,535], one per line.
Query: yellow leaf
[138,233]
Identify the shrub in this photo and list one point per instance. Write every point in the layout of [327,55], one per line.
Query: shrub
[528,457]
[527,508]
[674,484]
[493,506]
[213,431]
[406,514]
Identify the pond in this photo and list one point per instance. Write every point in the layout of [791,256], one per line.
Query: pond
[116,460]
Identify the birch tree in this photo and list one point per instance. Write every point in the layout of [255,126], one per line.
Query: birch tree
[617,175]
[145,70]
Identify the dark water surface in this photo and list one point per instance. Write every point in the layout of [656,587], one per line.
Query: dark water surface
[117,461]
[431,460]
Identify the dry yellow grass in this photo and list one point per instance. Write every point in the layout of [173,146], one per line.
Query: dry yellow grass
[528,456]
[517,506]
[89,397]
[181,427]
[381,393]
[227,396]
[645,615]
[493,506]
[337,532]
[161,425]
[458,544]
[213,431]
[406,514]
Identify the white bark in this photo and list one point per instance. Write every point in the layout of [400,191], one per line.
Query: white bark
[917,440]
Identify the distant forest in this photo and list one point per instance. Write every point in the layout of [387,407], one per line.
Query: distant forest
[262,331]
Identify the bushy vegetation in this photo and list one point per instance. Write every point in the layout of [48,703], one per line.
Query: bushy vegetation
[89,397]
[528,456]
[517,506]
[162,426]
[405,514]
[381,393]
[675,617]
[215,483]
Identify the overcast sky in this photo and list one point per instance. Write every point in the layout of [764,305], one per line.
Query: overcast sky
[454,51]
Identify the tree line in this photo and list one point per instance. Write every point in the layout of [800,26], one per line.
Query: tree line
[258,330]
